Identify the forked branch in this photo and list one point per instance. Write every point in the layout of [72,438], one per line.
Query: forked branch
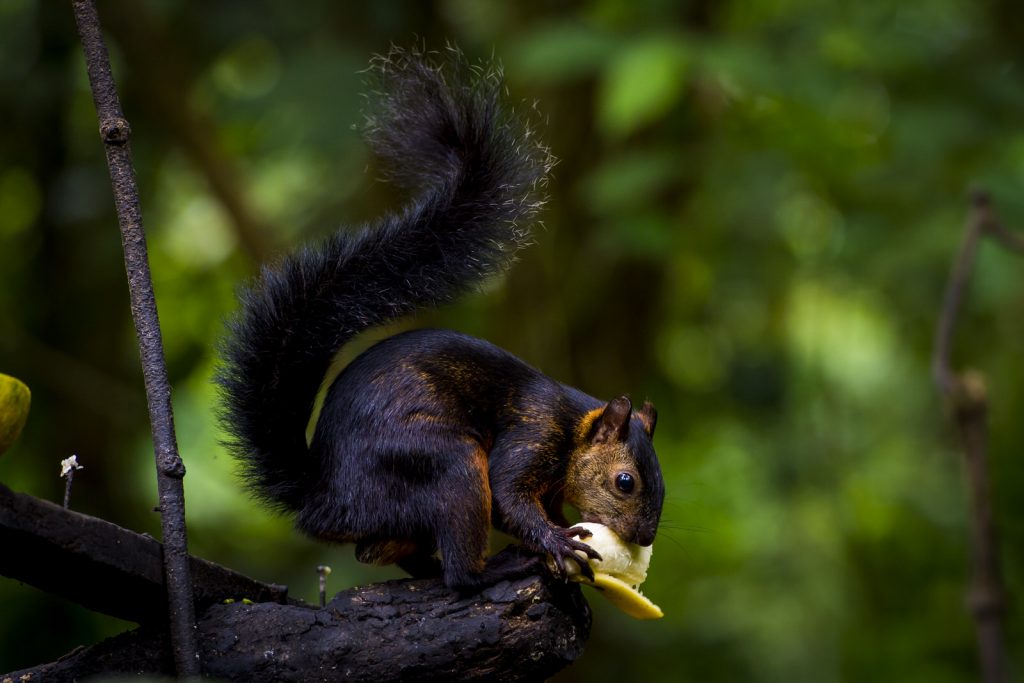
[968,398]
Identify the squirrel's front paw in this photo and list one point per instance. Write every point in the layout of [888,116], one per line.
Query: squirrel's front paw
[562,545]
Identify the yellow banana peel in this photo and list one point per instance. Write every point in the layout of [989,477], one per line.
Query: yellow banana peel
[626,597]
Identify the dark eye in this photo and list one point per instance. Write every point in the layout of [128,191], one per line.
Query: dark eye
[625,482]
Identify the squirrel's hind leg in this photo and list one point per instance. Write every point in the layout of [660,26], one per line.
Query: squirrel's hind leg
[414,557]
[463,521]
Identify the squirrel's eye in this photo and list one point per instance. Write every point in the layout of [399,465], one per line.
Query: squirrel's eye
[624,481]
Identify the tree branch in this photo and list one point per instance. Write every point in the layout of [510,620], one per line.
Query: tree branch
[115,132]
[102,566]
[968,397]
[525,630]
[963,265]
[1008,239]
[514,631]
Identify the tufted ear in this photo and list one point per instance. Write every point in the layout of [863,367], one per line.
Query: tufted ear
[648,417]
[613,425]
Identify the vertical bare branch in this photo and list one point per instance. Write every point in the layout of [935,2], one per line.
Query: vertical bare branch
[115,132]
[956,286]
[968,398]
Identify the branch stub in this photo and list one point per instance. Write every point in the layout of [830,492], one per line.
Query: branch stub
[115,131]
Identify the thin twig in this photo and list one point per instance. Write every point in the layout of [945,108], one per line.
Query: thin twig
[67,470]
[323,571]
[67,489]
[1008,239]
[115,132]
[960,276]
[968,396]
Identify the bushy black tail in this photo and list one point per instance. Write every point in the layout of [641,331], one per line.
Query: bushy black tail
[478,172]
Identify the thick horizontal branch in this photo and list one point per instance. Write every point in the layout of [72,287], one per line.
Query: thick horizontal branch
[514,631]
[102,566]
[524,630]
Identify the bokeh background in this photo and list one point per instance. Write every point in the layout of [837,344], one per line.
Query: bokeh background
[751,224]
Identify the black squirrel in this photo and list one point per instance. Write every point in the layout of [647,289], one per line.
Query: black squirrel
[429,436]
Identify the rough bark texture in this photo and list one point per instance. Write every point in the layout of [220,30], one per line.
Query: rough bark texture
[523,630]
[103,566]
[116,133]
[401,630]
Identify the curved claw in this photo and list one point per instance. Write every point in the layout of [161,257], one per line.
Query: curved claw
[585,549]
[558,568]
[561,545]
[585,568]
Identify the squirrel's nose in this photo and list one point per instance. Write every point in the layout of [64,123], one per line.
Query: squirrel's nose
[639,534]
[644,537]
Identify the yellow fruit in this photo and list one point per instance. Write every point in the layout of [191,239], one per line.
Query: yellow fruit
[619,573]
[625,597]
[15,399]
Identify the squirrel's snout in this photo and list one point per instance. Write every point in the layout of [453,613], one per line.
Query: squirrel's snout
[644,537]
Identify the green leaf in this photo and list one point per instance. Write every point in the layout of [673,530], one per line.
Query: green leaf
[641,84]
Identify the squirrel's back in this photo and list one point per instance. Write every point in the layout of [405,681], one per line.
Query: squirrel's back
[477,173]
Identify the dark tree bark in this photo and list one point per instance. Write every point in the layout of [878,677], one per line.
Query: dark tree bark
[401,630]
[116,133]
[102,566]
[408,630]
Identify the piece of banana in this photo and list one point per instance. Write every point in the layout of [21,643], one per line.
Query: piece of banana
[619,572]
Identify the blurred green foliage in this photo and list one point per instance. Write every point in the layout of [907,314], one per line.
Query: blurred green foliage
[751,224]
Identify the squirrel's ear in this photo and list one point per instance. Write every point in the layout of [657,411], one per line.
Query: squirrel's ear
[648,417]
[613,425]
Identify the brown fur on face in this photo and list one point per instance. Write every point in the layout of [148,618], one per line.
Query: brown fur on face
[607,443]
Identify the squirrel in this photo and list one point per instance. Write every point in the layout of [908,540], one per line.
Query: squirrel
[430,436]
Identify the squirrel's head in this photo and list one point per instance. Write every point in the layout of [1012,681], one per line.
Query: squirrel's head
[614,477]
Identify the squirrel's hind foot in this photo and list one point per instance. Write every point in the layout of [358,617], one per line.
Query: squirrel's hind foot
[514,562]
